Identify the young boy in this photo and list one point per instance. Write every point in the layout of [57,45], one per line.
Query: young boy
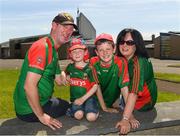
[111,72]
[82,83]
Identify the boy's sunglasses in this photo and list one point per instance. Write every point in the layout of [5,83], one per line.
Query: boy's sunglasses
[129,42]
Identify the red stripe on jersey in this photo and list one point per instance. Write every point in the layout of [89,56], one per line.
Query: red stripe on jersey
[136,76]
[120,61]
[94,60]
[49,50]
[94,73]
[144,97]
[37,54]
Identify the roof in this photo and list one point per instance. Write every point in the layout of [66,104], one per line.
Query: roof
[4,44]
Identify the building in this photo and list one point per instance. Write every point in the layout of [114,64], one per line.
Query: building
[167,46]
[4,50]
[16,48]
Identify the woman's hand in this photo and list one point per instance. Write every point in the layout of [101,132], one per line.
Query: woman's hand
[134,122]
[123,126]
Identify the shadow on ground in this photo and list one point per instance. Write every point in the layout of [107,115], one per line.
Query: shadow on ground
[104,125]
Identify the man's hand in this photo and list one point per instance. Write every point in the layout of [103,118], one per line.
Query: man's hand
[65,78]
[123,126]
[50,122]
[62,79]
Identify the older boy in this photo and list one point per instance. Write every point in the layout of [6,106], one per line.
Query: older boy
[111,71]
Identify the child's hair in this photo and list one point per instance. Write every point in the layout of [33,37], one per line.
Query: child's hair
[138,39]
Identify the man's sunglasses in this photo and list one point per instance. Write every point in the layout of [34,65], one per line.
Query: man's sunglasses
[129,42]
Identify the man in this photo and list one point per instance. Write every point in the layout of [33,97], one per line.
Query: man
[32,96]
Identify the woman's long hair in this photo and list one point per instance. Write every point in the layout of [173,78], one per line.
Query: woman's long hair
[138,39]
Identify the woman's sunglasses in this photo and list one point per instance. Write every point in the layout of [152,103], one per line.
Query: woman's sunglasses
[129,42]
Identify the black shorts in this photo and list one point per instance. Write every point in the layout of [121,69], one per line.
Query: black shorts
[55,107]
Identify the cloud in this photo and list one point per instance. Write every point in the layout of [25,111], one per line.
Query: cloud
[111,16]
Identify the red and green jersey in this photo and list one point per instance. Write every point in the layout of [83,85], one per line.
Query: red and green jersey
[111,78]
[42,59]
[142,82]
[81,80]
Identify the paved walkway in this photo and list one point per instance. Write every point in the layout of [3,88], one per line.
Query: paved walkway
[162,66]
[168,86]
[158,65]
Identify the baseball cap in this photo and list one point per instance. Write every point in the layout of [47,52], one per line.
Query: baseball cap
[103,36]
[76,43]
[65,19]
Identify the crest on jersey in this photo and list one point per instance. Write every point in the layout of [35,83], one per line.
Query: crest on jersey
[39,60]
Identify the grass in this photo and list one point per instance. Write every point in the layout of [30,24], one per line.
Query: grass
[167,96]
[175,65]
[169,77]
[9,78]
[7,85]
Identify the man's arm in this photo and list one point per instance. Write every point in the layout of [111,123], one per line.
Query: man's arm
[31,91]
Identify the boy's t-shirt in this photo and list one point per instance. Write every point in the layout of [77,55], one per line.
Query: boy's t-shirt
[81,80]
[111,78]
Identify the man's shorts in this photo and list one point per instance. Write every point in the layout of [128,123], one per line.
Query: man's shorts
[55,107]
[89,106]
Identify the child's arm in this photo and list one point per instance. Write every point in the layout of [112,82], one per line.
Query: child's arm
[102,103]
[81,100]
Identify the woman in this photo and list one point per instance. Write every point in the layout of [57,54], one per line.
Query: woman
[142,93]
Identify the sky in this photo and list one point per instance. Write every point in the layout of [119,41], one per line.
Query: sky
[21,18]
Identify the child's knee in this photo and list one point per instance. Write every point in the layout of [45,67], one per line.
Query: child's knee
[91,116]
[79,114]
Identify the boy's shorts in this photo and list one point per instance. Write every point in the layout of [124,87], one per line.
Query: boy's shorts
[89,106]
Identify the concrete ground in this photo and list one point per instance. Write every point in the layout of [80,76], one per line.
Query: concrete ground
[168,86]
[164,119]
[158,65]
[162,66]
